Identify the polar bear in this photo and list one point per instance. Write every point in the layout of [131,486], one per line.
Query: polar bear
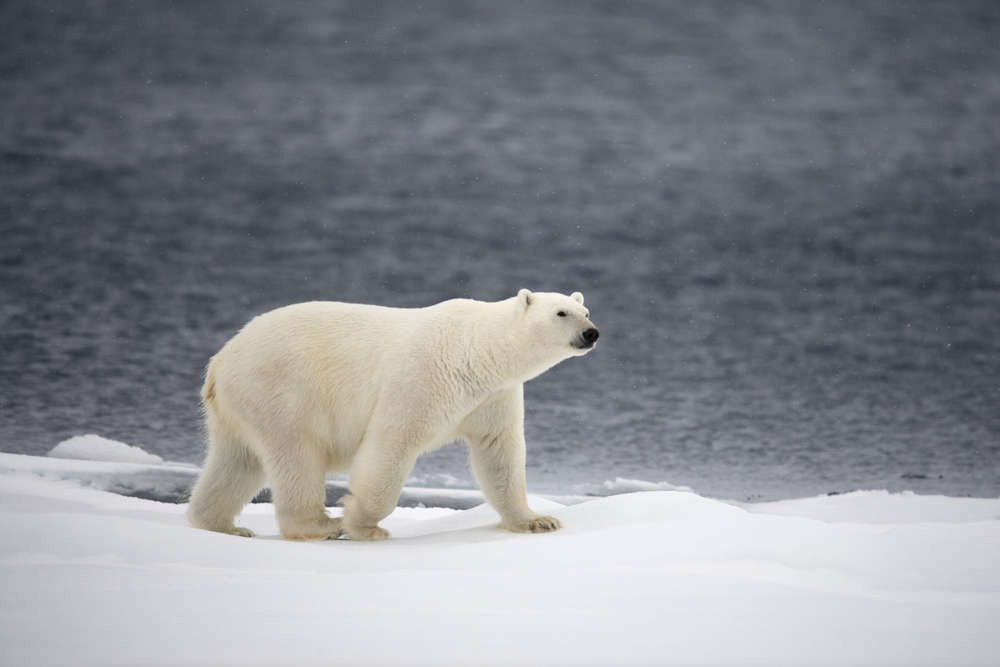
[325,386]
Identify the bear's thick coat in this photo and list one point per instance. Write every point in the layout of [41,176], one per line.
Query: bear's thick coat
[323,386]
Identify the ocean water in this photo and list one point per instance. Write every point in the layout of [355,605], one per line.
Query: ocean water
[784,218]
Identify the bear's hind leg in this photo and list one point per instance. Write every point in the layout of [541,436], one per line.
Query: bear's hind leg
[298,489]
[231,477]
[378,472]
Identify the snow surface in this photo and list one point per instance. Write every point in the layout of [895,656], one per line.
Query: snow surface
[662,577]
[624,485]
[93,447]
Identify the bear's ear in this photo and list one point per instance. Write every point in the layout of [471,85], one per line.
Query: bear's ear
[578,297]
[525,296]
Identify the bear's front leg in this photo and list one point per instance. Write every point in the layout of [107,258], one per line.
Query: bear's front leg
[378,473]
[495,432]
[498,463]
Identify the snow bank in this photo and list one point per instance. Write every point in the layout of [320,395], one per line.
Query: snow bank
[95,448]
[624,485]
[93,578]
[883,507]
[153,480]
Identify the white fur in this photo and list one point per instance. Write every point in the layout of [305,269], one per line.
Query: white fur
[324,386]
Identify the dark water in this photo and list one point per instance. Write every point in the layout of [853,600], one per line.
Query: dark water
[784,217]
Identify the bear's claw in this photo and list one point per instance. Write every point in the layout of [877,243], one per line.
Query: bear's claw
[327,528]
[538,524]
[367,533]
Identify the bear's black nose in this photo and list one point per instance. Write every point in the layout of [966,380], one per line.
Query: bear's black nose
[590,335]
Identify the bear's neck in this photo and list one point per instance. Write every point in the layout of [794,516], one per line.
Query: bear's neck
[495,356]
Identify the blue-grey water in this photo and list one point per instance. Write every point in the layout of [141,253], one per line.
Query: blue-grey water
[783,215]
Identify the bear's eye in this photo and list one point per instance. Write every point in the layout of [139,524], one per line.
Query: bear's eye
[561,313]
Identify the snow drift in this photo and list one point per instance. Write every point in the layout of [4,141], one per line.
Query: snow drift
[93,447]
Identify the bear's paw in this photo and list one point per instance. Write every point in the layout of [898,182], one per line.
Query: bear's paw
[326,528]
[538,524]
[367,533]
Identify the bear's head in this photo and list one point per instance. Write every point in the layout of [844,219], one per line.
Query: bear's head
[558,326]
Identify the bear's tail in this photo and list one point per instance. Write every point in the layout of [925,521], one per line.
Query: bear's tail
[208,389]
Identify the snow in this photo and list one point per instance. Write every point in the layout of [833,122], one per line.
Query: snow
[93,447]
[884,507]
[625,485]
[658,577]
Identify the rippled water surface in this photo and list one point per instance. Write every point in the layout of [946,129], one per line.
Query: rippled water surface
[784,217]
